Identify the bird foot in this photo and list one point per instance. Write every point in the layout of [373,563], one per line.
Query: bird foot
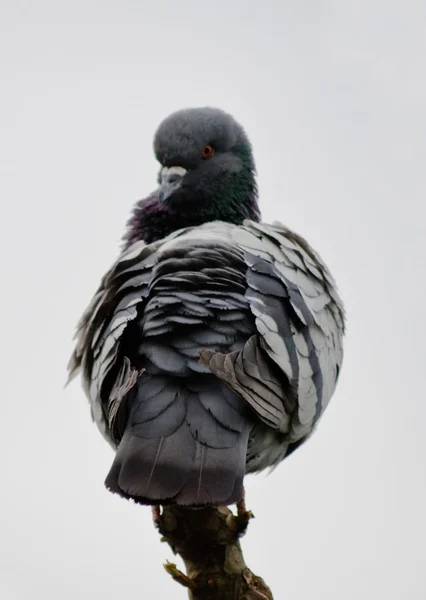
[156,515]
[157,518]
[240,521]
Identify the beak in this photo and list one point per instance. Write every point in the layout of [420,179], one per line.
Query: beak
[171,179]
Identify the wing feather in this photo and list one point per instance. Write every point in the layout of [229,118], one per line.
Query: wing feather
[299,297]
[100,331]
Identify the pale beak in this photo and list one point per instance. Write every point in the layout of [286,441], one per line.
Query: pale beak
[171,178]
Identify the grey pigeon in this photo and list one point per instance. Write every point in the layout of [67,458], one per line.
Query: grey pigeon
[214,343]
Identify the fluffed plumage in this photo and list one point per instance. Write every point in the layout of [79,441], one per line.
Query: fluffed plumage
[211,350]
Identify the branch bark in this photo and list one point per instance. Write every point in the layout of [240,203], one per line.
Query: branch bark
[208,540]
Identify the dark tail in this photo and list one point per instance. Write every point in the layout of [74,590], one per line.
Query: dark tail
[185,443]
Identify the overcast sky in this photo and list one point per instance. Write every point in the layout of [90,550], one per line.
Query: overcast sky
[332,95]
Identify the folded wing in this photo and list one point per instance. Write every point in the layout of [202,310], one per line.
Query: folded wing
[288,371]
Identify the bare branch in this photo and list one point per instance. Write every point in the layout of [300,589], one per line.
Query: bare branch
[208,540]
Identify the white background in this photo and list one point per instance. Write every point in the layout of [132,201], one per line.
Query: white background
[333,97]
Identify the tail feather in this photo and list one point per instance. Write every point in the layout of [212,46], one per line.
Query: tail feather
[216,476]
[177,452]
[152,469]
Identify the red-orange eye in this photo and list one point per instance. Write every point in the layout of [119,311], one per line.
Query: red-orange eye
[207,151]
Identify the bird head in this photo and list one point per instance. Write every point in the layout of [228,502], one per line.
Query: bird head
[207,173]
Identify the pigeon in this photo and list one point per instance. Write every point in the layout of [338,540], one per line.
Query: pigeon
[215,341]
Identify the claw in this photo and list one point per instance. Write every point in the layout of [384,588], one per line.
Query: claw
[239,523]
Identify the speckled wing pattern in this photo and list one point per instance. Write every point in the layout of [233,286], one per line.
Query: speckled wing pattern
[287,368]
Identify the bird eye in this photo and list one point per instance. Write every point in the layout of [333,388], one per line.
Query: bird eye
[207,151]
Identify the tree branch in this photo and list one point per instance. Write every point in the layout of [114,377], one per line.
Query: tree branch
[208,540]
